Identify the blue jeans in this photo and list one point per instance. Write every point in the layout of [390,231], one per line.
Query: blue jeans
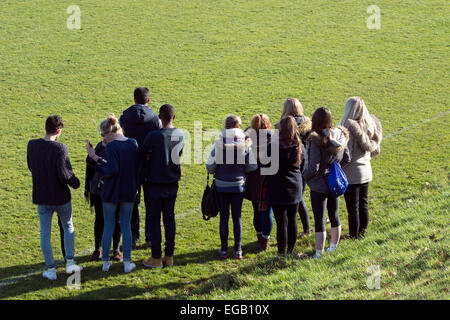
[235,201]
[262,220]
[109,216]
[160,198]
[45,219]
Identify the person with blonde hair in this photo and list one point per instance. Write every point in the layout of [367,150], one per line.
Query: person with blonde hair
[365,137]
[120,173]
[293,107]
[256,183]
[230,159]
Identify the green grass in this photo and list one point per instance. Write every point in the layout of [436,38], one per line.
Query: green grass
[210,59]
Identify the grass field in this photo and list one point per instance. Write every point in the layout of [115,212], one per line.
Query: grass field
[209,59]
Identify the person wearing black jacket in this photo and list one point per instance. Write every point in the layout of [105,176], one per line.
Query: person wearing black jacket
[285,187]
[48,161]
[92,192]
[136,122]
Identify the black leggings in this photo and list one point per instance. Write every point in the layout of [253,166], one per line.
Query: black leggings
[320,202]
[286,219]
[303,211]
[356,199]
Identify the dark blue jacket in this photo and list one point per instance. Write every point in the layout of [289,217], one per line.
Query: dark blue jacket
[120,171]
[137,121]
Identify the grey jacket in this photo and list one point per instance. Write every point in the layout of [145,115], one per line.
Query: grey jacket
[322,150]
[362,148]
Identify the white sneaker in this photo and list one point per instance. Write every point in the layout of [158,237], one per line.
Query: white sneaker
[128,266]
[317,254]
[50,274]
[72,267]
[331,249]
[106,265]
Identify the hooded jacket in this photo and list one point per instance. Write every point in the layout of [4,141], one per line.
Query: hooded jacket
[137,121]
[304,125]
[322,153]
[362,148]
[230,159]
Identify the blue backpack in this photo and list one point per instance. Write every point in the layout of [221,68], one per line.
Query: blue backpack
[337,181]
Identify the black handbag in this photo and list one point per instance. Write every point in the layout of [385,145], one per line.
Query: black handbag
[210,201]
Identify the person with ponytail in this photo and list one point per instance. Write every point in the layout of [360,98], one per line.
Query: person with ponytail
[293,107]
[365,137]
[325,144]
[285,187]
[120,173]
[256,184]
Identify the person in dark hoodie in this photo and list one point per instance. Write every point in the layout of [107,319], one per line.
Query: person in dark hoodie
[325,145]
[137,121]
[285,187]
[293,107]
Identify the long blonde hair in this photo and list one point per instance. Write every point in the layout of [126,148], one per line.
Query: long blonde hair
[260,121]
[355,109]
[289,135]
[292,107]
[110,124]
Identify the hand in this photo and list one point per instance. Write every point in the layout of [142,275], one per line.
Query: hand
[90,150]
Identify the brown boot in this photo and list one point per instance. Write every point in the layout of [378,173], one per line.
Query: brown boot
[260,237]
[153,263]
[168,261]
[264,244]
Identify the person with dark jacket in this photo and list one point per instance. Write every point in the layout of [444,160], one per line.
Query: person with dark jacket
[285,187]
[136,122]
[366,134]
[163,149]
[256,183]
[51,171]
[120,175]
[92,192]
[230,159]
[293,107]
[325,145]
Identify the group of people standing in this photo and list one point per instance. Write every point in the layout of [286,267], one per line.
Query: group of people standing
[142,150]
[306,150]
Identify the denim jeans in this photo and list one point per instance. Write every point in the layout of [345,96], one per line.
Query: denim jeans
[262,220]
[159,199]
[235,201]
[45,219]
[109,216]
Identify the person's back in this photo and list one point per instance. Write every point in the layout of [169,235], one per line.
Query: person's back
[164,144]
[121,175]
[51,172]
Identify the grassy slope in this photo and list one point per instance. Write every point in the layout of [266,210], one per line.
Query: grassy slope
[210,59]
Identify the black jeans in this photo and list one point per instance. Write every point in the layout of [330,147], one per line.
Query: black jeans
[135,218]
[303,211]
[286,219]
[160,199]
[356,199]
[320,203]
[233,200]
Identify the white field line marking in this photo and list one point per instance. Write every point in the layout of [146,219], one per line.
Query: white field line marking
[440,115]
[16,279]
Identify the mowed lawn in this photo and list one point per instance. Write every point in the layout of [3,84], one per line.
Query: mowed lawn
[210,59]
